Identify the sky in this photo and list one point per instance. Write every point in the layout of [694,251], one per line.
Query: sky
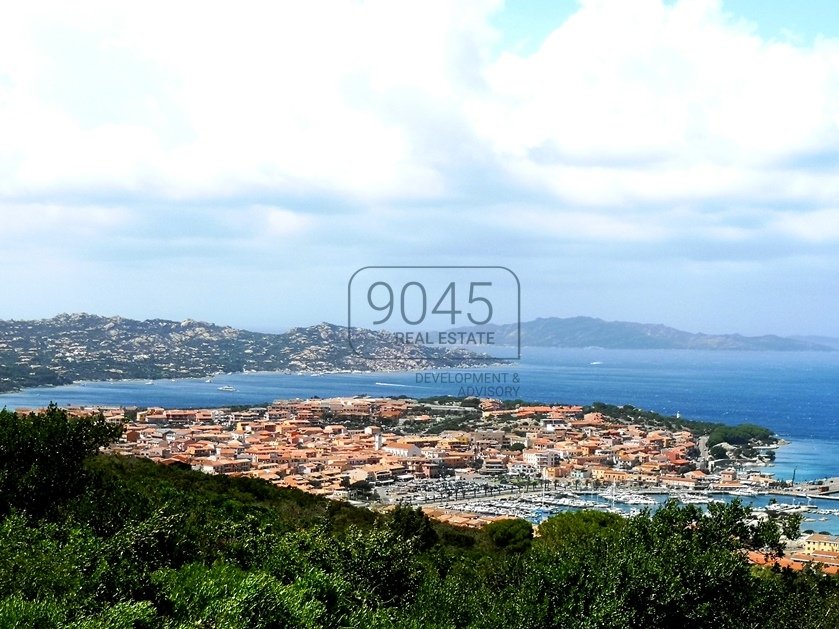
[669,162]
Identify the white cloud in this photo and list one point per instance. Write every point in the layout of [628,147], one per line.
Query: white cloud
[280,222]
[637,101]
[396,130]
[37,220]
[265,96]
[818,227]
[625,103]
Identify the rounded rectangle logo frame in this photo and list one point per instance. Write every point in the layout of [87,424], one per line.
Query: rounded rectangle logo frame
[413,304]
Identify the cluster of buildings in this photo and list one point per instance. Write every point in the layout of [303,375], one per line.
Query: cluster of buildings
[328,446]
[324,446]
[340,446]
[818,548]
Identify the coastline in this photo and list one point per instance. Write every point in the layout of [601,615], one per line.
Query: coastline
[285,372]
[786,392]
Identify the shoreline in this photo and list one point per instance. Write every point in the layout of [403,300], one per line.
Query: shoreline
[284,372]
[672,385]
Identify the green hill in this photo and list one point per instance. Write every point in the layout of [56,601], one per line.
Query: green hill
[73,347]
[89,540]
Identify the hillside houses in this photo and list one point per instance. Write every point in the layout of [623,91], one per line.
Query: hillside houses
[327,445]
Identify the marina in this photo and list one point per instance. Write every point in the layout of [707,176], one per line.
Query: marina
[491,499]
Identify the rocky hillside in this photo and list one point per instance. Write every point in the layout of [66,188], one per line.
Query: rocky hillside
[88,347]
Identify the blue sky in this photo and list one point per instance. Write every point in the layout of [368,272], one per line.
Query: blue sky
[673,162]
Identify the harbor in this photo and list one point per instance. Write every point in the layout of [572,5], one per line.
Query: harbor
[486,499]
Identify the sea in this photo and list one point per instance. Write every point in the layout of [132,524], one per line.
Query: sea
[796,394]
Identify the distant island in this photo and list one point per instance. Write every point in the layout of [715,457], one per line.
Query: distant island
[591,332]
[831,341]
[72,347]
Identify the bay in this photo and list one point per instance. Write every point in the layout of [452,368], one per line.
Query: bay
[793,393]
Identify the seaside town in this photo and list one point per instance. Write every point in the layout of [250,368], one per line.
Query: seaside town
[466,462]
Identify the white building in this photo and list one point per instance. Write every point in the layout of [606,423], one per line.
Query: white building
[402,449]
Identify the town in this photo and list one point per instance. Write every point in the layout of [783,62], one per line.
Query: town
[325,446]
[466,462]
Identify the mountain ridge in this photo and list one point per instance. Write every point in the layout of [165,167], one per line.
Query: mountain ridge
[583,331]
[829,341]
[81,346]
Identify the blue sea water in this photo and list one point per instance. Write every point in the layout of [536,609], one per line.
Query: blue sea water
[793,393]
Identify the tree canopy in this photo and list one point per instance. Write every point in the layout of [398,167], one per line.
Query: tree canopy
[91,540]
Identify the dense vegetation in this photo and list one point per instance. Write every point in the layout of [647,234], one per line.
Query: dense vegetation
[740,435]
[630,413]
[88,540]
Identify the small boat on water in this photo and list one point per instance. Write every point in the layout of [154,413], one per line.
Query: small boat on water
[744,491]
[785,508]
[691,499]
[227,388]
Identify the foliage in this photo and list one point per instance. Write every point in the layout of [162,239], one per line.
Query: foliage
[224,595]
[572,528]
[739,435]
[510,535]
[630,413]
[718,452]
[41,458]
[129,543]
[413,524]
